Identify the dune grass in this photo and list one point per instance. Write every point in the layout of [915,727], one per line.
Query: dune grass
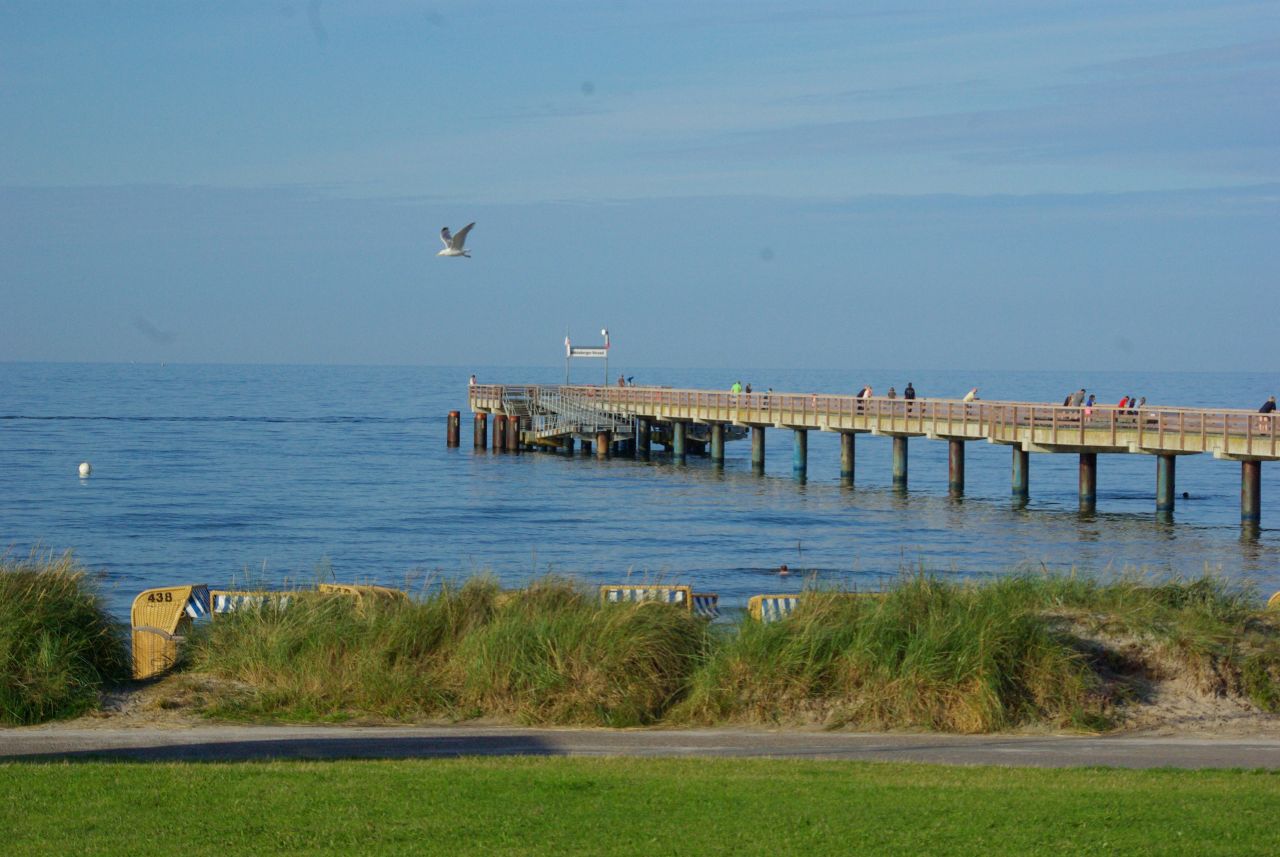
[550,653]
[58,645]
[1017,651]
[925,653]
[628,806]
[1022,650]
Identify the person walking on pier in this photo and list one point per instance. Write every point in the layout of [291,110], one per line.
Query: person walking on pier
[1077,398]
[736,388]
[909,392]
[971,396]
[892,394]
[1268,407]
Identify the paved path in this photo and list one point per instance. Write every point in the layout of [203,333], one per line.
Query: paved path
[239,743]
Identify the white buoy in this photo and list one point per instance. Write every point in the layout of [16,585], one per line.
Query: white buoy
[85,469]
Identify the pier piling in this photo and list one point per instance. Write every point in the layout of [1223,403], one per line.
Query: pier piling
[717,443]
[480,432]
[602,444]
[1165,482]
[800,453]
[955,467]
[1088,481]
[848,455]
[644,437]
[1251,491]
[899,461]
[757,448]
[513,434]
[1021,473]
[677,440]
[453,430]
[499,432]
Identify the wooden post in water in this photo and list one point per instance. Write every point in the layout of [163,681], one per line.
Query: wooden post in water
[717,443]
[899,461]
[480,431]
[602,444]
[1165,482]
[1251,491]
[453,429]
[677,440]
[1088,481]
[955,467]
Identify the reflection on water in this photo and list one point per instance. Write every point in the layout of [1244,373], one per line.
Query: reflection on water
[204,473]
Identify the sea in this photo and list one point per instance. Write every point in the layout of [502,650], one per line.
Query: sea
[276,475]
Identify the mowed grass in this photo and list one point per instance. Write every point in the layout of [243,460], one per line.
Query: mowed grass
[628,806]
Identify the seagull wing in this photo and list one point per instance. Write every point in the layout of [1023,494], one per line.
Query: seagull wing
[446,237]
[461,237]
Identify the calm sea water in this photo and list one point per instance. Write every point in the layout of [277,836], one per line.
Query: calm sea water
[219,474]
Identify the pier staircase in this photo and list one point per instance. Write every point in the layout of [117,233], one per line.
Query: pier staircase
[551,412]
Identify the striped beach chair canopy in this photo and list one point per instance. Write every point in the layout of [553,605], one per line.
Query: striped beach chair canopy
[229,601]
[706,605]
[680,595]
[771,608]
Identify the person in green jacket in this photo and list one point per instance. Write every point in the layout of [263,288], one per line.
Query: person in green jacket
[736,388]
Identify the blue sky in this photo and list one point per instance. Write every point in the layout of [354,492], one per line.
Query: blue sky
[1033,184]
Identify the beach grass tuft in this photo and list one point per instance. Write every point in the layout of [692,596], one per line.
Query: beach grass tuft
[548,654]
[58,645]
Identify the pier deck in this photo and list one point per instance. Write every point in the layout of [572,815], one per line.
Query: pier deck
[610,413]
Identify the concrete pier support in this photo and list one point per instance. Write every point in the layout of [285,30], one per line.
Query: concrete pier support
[1021,473]
[800,453]
[513,434]
[677,440]
[1251,492]
[602,444]
[1088,481]
[1165,482]
[480,431]
[757,448]
[955,467]
[644,437]
[900,462]
[453,429]
[717,443]
[848,455]
[499,432]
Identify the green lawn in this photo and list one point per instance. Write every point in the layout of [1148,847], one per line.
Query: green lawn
[628,806]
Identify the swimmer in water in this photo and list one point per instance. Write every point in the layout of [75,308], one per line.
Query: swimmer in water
[783,571]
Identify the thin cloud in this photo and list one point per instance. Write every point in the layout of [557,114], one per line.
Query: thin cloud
[154,334]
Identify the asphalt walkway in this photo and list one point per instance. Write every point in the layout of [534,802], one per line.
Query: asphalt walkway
[243,743]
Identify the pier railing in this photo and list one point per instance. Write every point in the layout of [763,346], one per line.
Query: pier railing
[1225,433]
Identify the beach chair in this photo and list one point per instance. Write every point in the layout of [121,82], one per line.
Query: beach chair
[159,620]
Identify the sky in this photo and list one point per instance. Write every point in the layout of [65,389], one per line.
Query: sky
[1036,185]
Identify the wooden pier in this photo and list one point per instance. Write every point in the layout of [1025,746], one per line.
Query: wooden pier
[626,419]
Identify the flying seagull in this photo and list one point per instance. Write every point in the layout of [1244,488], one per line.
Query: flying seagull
[453,243]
